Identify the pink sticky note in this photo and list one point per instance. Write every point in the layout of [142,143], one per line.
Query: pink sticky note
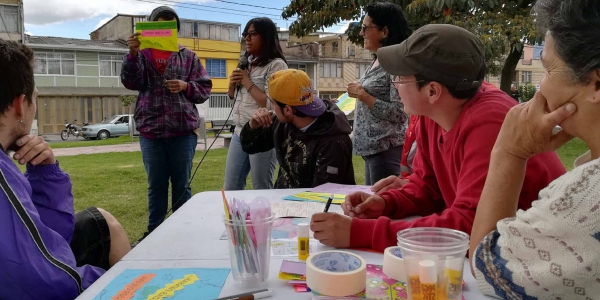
[157,33]
[293,267]
[301,289]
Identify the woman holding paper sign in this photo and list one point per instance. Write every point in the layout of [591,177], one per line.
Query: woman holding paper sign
[380,118]
[170,84]
[248,87]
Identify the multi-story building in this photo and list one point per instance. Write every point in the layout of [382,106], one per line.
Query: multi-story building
[77,80]
[11,20]
[340,63]
[301,53]
[528,70]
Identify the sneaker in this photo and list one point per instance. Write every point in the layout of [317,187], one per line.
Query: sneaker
[140,239]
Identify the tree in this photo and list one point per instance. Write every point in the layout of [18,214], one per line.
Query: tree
[503,27]
[126,100]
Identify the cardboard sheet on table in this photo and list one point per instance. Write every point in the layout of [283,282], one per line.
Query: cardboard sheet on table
[341,189]
[289,247]
[283,228]
[296,209]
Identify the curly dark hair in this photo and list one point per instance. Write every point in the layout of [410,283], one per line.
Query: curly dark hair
[390,15]
[17,79]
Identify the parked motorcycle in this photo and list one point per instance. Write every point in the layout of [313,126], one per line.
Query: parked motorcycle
[71,129]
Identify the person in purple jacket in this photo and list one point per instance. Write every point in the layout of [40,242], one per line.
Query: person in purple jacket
[46,250]
[170,84]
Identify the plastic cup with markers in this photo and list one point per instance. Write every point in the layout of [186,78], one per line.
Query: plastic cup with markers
[434,261]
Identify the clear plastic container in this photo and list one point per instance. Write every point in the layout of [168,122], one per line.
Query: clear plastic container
[249,251]
[434,260]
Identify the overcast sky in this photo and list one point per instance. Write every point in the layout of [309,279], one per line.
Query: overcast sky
[78,18]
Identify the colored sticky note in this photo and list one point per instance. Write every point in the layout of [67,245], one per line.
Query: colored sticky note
[161,35]
[301,289]
[293,267]
[287,277]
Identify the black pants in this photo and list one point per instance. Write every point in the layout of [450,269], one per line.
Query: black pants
[383,164]
[91,239]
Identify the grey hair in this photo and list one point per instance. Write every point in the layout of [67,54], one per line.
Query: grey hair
[574,26]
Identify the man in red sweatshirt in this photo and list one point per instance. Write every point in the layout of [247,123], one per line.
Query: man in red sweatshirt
[439,74]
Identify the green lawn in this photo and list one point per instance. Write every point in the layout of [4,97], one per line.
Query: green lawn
[73,143]
[117,181]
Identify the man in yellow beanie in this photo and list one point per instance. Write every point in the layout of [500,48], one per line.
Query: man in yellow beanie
[311,136]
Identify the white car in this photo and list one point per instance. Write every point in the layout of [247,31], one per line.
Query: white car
[118,125]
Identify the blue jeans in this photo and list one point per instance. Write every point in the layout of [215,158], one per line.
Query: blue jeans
[167,159]
[240,163]
[382,165]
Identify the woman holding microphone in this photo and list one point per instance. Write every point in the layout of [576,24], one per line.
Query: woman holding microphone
[248,87]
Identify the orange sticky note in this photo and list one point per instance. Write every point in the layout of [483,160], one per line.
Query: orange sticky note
[129,290]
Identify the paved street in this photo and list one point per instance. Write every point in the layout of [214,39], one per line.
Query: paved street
[129,147]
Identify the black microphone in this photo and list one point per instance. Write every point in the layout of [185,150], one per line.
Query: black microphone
[242,65]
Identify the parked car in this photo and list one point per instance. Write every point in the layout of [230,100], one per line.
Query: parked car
[117,125]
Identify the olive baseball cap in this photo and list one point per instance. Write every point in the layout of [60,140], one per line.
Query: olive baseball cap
[444,53]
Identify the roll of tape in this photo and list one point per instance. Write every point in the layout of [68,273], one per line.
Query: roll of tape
[336,273]
[393,264]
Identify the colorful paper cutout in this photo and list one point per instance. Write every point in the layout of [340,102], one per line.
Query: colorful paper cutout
[158,35]
[155,284]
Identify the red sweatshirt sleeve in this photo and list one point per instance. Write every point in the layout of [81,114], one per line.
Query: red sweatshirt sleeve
[420,196]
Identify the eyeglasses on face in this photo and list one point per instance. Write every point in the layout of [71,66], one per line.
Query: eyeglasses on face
[396,82]
[252,34]
[364,28]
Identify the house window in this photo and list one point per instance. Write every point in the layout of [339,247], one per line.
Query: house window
[328,96]
[230,33]
[331,70]
[51,63]
[335,46]
[352,51]
[10,17]
[525,76]
[301,67]
[284,36]
[216,68]
[209,31]
[361,69]
[110,65]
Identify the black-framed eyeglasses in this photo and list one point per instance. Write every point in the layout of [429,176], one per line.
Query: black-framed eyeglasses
[252,34]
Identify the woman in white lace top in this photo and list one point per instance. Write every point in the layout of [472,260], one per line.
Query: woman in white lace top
[551,250]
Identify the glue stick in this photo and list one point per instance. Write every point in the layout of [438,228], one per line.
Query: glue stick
[452,285]
[303,237]
[428,279]
[414,283]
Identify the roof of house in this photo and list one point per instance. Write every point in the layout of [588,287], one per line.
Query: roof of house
[84,91]
[78,43]
[290,57]
[118,15]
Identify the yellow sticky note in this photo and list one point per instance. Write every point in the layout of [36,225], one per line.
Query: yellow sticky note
[170,289]
[160,35]
[287,276]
